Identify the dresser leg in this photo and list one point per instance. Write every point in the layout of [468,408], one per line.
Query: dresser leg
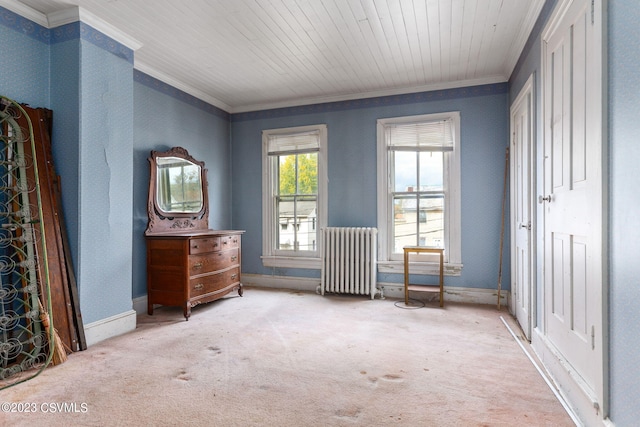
[149,307]
[187,311]
[240,291]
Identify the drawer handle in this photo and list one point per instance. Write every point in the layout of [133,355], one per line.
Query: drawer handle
[225,242]
[195,246]
[198,287]
[233,258]
[233,276]
[197,266]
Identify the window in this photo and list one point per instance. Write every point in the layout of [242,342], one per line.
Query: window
[294,200]
[419,189]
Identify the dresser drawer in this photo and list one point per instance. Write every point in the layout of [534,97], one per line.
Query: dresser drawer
[186,269]
[204,285]
[228,242]
[202,264]
[203,245]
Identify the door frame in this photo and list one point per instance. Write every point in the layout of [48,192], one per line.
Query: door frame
[592,410]
[526,94]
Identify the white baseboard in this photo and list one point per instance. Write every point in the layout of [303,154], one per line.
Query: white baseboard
[140,304]
[581,402]
[280,282]
[453,294]
[391,290]
[110,327]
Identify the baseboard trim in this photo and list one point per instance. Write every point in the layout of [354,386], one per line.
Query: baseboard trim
[542,371]
[280,282]
[140,304]
[390,290]
[454,294]
[110,327]
[581,402]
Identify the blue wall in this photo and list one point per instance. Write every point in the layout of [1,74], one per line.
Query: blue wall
[164,118]
[107,119]
[92,99]
[106,173]
[352,171]
[65,94]
[24,50]
[624,185]
[86,79]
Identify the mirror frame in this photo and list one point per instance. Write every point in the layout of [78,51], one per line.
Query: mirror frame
[177,222]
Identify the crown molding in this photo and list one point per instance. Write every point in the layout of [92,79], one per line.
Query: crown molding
[68,16]
[74,14]
[535,7]
[146,69]
[25,11]
[365,95]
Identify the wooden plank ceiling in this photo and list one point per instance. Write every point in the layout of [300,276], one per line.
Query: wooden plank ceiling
[243,55]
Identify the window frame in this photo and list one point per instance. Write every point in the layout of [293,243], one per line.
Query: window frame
[393,263]
[271,256]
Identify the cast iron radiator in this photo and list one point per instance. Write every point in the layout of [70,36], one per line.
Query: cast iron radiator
[349,261]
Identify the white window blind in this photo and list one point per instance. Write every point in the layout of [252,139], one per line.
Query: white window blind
[304,142]
[425,136]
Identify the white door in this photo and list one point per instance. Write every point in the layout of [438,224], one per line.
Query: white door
[573,199]
[522,206]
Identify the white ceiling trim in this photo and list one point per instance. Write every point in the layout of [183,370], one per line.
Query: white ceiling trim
[26,12]
[67,16]
[144,68]
[523,35]
[364,95]
[74,14]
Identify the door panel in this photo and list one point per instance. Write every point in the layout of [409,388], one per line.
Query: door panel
[521,207]
[579,289]
[573,198]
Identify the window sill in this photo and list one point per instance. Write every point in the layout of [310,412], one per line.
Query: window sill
[291,262]
[428,268]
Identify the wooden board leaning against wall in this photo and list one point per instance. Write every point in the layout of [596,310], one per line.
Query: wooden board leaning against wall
[64,295]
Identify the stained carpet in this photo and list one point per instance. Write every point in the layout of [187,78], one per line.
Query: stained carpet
[286,358]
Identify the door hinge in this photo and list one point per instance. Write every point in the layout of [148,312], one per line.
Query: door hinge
[593,11]
[593,337]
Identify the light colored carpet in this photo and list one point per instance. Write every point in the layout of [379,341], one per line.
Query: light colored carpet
[284,358]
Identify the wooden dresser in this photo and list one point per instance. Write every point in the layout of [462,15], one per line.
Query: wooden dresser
[187,262]
[189,268]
